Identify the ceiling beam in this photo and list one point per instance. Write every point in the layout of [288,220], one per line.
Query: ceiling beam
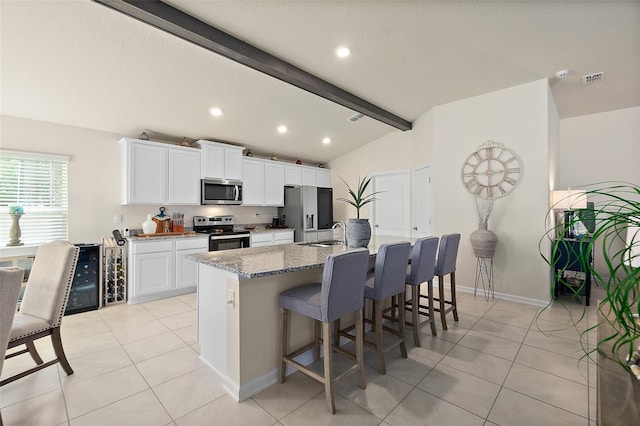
[187,27]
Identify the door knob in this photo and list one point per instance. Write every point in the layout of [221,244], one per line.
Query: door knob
[376,225]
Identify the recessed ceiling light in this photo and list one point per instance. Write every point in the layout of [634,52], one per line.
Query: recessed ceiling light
[326,141]
[216,112]
[282,129]
[343,52]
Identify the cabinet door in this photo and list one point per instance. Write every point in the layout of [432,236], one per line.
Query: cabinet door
[252,182]
[262,239]
[323,178]
[144,171]
[187,270]
[325,235]
[184,177]
[292,175]
[213,159]
[284,237]
[233,164]
[274,184]
[152,273]
[309,177]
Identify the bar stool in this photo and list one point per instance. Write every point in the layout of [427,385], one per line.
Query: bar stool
[421,270]
[340,293]
[446,265]
[386,281]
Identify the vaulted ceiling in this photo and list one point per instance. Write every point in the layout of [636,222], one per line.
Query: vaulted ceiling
[83,64]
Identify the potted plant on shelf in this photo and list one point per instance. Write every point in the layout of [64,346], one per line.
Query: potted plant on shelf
[359,229]
[615,226]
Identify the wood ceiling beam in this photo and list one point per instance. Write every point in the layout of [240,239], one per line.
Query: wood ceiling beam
[187,27]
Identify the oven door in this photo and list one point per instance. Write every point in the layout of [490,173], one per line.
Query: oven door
[228,242]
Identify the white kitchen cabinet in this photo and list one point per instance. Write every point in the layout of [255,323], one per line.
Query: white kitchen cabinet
[220,161]
[262,182]
[283,237]
[157,173]
[315,176]
[262,239]
[309,177]
[323,178]
[184,176]
[187,270]
[159,269]
[325,234]
[292,175]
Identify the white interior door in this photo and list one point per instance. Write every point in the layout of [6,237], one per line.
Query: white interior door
[421,204]
[390,213]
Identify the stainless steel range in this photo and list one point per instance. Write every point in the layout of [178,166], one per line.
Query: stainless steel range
[221,233]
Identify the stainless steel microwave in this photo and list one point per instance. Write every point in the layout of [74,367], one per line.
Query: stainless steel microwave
[216,191]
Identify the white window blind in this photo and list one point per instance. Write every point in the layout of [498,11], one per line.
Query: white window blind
[39,184]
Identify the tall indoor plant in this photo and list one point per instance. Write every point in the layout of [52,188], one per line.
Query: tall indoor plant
[359,229]
[616,212]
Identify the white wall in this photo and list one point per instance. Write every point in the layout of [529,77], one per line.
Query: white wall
[94,178]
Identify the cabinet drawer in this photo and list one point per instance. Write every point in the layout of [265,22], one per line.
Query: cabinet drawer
[283,237]
[262,238]
[192,243]
[152,247]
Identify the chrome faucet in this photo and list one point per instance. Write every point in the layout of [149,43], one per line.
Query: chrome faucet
[344,232]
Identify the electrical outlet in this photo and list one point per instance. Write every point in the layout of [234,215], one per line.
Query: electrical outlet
[117,218]
[231,298]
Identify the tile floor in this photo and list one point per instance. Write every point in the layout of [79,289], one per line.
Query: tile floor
[139,365]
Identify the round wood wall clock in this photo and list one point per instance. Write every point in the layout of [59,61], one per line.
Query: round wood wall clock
[491,171]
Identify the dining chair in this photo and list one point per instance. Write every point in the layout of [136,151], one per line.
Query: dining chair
[446,265]
[43,305]
[340,293]
[10,282]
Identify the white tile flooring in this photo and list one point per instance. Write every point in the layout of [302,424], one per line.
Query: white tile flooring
[139,365]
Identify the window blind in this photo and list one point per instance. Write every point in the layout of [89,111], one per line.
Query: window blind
[39,184]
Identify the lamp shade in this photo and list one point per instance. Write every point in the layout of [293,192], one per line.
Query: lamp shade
[569,200]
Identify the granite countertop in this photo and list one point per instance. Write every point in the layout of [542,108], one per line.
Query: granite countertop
[279,259]
[264,229]
[136,239]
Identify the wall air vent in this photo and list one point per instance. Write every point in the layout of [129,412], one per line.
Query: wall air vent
[592,78]
[356,117]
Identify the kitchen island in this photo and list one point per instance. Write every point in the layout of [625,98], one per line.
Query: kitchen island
[238,314]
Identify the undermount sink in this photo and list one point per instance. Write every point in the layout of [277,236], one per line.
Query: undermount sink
[325,244]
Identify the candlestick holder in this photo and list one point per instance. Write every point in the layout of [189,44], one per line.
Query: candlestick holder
[14,232]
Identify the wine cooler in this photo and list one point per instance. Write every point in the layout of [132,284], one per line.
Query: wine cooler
[85,289]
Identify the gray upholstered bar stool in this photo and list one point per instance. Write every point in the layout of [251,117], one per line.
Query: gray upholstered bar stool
[421,270]
[340,293]
[385,281]
[446,265]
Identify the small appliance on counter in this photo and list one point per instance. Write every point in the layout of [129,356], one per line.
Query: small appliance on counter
[221,233]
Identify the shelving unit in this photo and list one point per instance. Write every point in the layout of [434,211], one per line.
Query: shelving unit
[114,272]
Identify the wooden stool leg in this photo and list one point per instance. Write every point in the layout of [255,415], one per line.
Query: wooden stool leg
[403,347]
[284,322]
[377,318]
[31,347]
[360,347]
[328,374]
[432,312]
[443,309]
[317,331]
[453,296]
[415,317]
[56,340]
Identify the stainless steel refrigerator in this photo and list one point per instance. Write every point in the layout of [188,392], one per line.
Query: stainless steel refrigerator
[308,210]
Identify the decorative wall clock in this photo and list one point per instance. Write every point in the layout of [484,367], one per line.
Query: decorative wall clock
[491,171]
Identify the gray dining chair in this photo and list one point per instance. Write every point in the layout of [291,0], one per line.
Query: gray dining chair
[340,293]
[446,265]
[421,271]
[43,305]
[10,282]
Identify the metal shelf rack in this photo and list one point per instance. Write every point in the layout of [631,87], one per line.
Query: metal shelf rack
[114,263]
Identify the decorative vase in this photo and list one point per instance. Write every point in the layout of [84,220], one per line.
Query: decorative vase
[14,232]
[484,242]
[358,232]
[149,226]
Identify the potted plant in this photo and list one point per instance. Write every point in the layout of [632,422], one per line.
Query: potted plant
[615,219]
[358,229]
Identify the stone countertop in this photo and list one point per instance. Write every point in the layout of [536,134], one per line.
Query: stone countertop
[279,259]
[264,229]
[137,239]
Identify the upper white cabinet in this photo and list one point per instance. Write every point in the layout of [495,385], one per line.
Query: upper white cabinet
[157,173]
[262,182]
[292,174]
[315,176]
[221,161]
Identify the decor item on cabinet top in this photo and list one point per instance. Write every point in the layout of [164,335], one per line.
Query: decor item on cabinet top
[359,230]
[185,142]
[273,157]
[249,153]
[298,161]
[613,224]
[491,171]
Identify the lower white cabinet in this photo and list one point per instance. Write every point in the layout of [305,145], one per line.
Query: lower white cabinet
[271,238]
[159,269]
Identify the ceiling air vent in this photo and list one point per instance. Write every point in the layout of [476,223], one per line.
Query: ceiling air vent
[592,78]
[356,117]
